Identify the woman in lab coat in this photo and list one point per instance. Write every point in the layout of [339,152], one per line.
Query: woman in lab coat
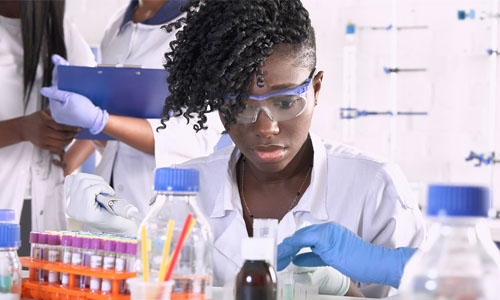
[255,62]
[134,37]
[30,140]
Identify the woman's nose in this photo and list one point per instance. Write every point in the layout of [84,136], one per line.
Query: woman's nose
[264,126]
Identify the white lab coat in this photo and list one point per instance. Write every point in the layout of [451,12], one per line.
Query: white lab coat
[26,170]
[370,197]
[133,170]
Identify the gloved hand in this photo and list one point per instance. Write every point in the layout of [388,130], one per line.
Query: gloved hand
[336,246]
[71,108]
[81,189]
[328,280]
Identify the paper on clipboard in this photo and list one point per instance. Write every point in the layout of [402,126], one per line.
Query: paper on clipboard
[124,91]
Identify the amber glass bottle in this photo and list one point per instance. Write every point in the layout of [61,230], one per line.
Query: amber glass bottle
[256,278]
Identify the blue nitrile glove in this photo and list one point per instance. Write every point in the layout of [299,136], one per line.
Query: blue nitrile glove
[75,110]
[336,246]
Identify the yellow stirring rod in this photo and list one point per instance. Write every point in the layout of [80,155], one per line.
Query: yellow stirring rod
[144,246]
[166,250]
[191,224]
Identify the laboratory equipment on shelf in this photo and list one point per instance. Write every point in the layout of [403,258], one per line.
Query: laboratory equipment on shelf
[459,259]
[353,113]
[482,159]
[388,70]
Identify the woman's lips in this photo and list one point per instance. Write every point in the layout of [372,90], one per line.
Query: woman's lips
[269,154]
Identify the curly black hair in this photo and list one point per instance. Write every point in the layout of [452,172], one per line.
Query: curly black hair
[222,45]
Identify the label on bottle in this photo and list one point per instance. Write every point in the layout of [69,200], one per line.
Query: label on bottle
[95,283]
[66,257]
[54,257]
[108,262]
[96,261]
[120,264]
[76,258]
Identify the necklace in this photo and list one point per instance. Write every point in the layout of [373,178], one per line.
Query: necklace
[242,190]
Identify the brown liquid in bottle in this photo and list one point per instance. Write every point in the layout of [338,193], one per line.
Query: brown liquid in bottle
[256,280]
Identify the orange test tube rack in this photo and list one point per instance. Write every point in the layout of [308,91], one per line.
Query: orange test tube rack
[33,289]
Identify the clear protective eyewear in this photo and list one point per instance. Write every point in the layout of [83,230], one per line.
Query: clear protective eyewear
[279,106]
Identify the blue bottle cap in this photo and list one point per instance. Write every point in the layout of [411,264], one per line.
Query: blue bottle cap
[350,28]
[10,235]
[462,14]
[460,201]
[177,180]
[7,215]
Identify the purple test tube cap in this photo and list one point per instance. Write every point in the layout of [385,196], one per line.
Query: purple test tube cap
[132,248]
[76,241]
[54,239]
[66,240]
[109,246]
[121,247]
[96,244]
[43,238]
[34,237]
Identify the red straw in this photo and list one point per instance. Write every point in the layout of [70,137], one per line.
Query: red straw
[178,246]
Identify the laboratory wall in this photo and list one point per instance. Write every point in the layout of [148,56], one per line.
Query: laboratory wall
[451,81]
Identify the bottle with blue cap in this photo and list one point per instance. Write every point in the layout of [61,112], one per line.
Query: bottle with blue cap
[10,266]
[459,259]
[176,192]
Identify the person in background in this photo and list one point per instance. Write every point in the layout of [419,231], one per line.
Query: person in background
[30,140]
[255,62]
[133,37]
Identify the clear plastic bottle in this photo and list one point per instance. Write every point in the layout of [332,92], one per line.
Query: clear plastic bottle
[349,78]
[459,259]
[267,228]
[10,266]
[54,255]
[67,250]
[108,263]
[176,194]
[256,279]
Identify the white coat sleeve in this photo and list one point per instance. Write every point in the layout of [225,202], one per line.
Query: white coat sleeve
[391,217]
[179,142]
[78,51]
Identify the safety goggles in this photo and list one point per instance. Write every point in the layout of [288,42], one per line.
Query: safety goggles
[279,106]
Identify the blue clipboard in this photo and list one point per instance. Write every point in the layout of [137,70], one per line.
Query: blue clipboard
[124,91]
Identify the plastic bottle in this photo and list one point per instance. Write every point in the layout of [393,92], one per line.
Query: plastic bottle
[10,266]
[42,242]
[35,254]
[267,228]
[67,249]
[108,263]
[459,259]
[96,262]
[76,254]
[54,255]
[87,253]
[121,261]
[176,194]
[256,279]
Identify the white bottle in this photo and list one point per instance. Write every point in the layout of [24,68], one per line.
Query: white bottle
[459,259]
[176,194]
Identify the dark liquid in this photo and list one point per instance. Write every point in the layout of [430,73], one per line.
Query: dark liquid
[256,280]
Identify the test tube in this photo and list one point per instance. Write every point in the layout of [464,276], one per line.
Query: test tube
[96,262]
[267,228]
[86,255]
[121,261]
[42,242]
[131,257]
[66,245]
[108,263]
[76,254]
[35,253]
[54,254]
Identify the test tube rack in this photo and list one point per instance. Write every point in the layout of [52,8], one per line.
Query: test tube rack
[33,289]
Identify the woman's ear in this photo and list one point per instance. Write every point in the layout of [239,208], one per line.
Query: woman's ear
[317,80]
